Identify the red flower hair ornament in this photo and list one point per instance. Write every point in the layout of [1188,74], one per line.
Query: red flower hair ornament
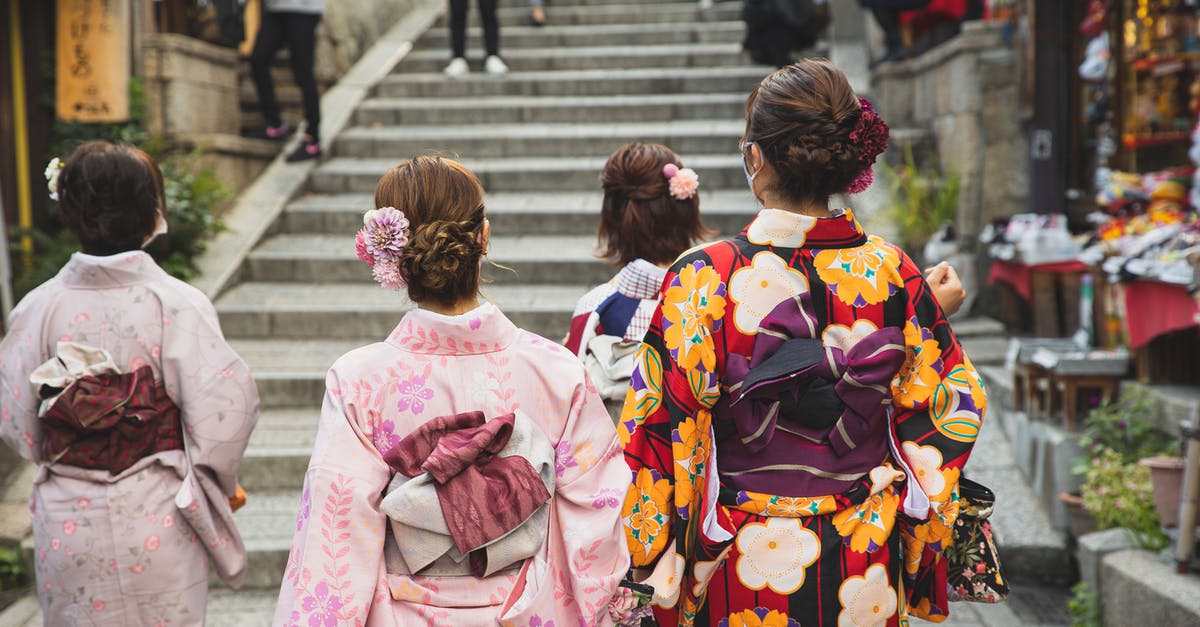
[871,137]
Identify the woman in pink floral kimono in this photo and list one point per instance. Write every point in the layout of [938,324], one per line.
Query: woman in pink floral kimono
[465,470]
[116,380]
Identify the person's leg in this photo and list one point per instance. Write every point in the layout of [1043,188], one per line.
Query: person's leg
[458,28]
[270,38]
[302,44]
[889,22]
[491,27]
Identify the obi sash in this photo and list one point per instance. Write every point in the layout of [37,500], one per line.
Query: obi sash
[95,417]
[470,496]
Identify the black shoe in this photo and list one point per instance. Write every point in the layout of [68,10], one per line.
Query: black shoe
[277,133]
[304,151]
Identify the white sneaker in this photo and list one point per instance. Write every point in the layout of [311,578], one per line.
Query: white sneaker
[493,65]
[457,67]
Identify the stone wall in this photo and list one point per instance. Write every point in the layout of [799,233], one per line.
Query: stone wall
[351,26]
[191,86]
[962,98]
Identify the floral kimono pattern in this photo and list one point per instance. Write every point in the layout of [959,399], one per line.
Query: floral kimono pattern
[433,366]
[774,537]
[132,548]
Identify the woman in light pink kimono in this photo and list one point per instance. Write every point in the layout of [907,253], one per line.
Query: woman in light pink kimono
[116,381]
[465,470]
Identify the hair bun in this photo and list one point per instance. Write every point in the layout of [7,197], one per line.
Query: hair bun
[439,252]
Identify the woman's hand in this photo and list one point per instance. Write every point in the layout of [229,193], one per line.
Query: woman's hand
[947,288]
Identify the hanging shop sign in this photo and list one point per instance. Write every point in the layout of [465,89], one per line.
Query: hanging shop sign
[92,61]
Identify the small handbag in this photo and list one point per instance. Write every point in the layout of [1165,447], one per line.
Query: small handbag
[972,562]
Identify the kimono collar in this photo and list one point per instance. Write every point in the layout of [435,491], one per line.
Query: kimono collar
[484,329]
[784,229]
[640,279]
[93,272]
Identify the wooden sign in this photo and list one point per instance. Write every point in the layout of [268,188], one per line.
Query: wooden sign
[92,64]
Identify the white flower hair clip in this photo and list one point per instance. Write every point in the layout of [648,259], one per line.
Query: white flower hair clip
[380,242]
[683,182]
[53,169]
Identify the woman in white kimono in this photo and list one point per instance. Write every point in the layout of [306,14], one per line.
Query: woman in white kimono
[465,470]
[116,381]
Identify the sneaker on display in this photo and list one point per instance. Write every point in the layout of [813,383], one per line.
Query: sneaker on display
[493,65]
[457,67]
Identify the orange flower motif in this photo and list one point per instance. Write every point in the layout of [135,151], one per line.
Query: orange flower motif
[693,308]
[758,617]
[866,526]
[645,514]
[691,443]
[645,393]
[861,276]
[921,372]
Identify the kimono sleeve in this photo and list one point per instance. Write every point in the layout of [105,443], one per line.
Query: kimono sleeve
[938,401]
[665,425]
[573,581]
[213,387]
[21,353]
[336,566]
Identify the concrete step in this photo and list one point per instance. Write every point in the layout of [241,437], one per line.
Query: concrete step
[513,214]
[226,608]
[668,13]
[591,57]
[550,109]
[343,313]
[559,35]
[576,83]
[348,175]
[526,260]
[279,449]
[289,372]
[268,524]
[685,137]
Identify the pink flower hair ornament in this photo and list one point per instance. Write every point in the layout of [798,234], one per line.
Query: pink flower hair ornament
[682,182]
[871,135]
[380,243]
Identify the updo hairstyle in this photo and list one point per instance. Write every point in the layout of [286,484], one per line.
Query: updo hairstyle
[443,202]
[801,117]
[639,218]
[110,196]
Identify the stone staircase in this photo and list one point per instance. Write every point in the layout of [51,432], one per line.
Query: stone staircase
[602,74]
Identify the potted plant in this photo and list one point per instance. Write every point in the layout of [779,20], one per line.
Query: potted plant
[1166,476]
[1118,493]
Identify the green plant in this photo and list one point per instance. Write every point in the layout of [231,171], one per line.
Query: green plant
[1085,606]
[1119,494]
[193,192]
[1122,427]
[923,199]
[13,574]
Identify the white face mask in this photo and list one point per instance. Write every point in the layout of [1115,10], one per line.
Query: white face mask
[160,228]
[746,168]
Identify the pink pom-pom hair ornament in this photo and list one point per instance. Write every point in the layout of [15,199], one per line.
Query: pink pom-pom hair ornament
[682,182]
[871,135]
[380,243]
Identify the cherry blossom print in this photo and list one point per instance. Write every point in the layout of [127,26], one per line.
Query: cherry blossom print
[322,607]
[413,395]
[151,544]
[69,526]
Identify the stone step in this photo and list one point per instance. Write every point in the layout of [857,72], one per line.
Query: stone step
[226,608]
[524,260]
[610,13]
[576,83]
[550,109]
[592,57]
[268,524]
[512,214]
[279,449]
[685,137]
[289,372]
[288,313]
[559,35]
[349,175]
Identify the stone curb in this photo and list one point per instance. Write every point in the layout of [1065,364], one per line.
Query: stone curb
[258,207]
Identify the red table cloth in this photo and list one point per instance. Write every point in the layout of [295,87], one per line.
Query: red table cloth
[1153,308]
[1020,276]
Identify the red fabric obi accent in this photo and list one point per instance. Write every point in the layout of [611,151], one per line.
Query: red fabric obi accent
[1020,276]
[109,421]
[1153,308]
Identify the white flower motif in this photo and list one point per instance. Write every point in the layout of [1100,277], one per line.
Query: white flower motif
[926,463]
[704,571]
[774,554]
[665,579]
[776,227]
[867,601]
[53,169]
[845,337]
[758,288]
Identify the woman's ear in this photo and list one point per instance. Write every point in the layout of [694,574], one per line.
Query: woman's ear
[485,234]
[754,158]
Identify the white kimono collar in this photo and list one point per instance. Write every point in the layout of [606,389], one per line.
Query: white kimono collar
[484,329]
[94,272]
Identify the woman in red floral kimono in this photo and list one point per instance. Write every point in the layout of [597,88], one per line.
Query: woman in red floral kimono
[801,409]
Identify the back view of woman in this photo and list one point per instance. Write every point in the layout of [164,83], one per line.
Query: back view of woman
[116,380]
[465,471]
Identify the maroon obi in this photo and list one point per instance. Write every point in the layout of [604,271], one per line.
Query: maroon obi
[109,421]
